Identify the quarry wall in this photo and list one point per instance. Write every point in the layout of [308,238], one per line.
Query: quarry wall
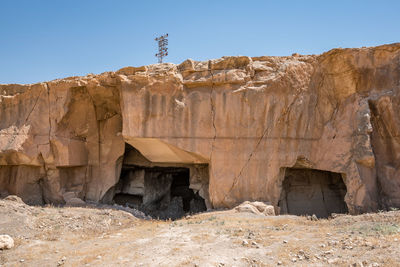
[248,119]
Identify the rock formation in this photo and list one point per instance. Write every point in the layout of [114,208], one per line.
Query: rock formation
[239,124]
[6,242]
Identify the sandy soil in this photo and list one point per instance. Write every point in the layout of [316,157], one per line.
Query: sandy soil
[53,236]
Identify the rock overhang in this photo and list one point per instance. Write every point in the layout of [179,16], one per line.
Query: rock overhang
[248,116]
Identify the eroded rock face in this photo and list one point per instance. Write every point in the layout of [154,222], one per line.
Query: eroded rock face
[250,117]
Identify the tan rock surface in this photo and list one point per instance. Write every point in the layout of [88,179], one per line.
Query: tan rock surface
[6,242]
[256,207]
[249,117]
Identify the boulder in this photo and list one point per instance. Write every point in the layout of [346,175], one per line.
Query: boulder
[14,198]
[256,207]
[264,208]
[6,242]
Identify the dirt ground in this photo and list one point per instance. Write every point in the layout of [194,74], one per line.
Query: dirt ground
[65,236]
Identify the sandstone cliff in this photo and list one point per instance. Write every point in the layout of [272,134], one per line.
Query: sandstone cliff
[238,123]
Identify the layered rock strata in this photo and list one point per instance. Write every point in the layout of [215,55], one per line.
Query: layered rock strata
[246,119]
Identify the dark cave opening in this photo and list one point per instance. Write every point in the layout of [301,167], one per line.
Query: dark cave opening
[161,192]
[180,188]
[130,200]
[310,191]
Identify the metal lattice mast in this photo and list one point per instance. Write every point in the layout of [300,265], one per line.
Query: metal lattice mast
[162,47]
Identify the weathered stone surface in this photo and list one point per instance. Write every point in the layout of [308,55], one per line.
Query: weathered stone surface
[250,117]
[256,207]
[6,242]
[14,198]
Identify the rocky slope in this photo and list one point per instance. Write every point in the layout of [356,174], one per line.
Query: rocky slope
[247,119]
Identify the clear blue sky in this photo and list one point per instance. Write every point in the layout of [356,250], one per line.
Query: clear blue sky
[48,39]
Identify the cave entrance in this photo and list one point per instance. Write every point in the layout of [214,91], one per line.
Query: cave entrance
[164,190]
[310,191]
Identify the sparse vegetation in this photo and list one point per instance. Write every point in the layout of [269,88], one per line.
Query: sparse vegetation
[86,236]
[377,228]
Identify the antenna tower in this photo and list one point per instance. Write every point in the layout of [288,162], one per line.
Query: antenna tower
[162,47]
